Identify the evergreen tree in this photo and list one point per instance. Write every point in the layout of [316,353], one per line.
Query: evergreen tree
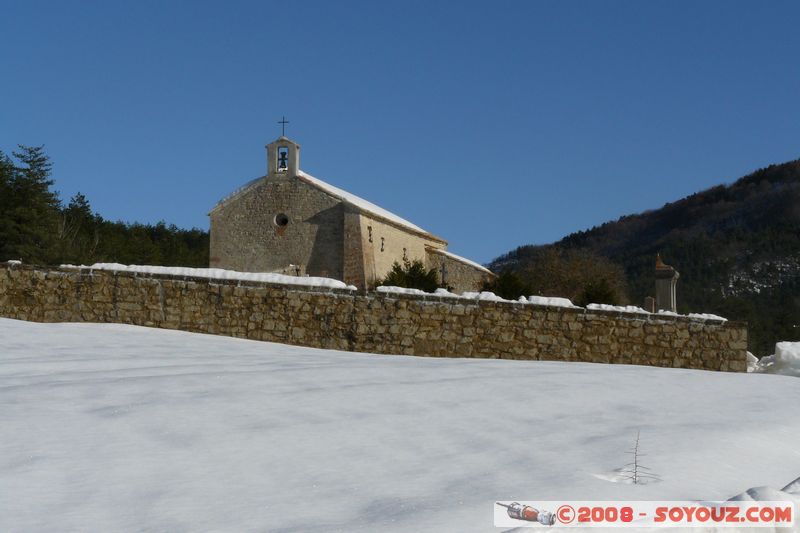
[411,275]
[78,233]
[598,291]
[509,285]
[7,203]
[32,212]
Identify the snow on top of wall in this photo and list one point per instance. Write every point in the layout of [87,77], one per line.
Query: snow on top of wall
[485,295]
[445,293]
[706,316]
[619,308]
[464,260]
[482,296]
[551,301]
[635,309]
[785,361]
[543,300]
[219,273]
[696,316]
[357,201]
[391,289]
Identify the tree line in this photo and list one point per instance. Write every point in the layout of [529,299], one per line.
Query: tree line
[37,227]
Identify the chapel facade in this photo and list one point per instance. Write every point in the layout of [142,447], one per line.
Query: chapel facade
[290,222]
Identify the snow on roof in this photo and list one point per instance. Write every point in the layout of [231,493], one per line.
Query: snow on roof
[464,260]
[360,203]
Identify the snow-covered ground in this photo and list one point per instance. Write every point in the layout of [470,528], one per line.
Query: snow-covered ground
[785,360]
[111,427]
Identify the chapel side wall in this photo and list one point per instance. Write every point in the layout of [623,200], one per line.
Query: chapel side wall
[375,323]
[458,276]
[244,236]
[379,262]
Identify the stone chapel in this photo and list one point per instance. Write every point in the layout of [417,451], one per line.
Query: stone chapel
[292,223]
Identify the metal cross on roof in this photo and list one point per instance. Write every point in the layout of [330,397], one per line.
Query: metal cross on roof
[283,122]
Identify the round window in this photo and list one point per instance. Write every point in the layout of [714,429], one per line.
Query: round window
[281,219]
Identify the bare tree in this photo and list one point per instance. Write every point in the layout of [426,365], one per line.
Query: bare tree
[635,470]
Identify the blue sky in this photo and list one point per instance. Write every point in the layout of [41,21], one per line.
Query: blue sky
[490,124]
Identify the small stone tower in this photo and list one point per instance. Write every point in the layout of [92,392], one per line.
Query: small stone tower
[283,158]
[666,280]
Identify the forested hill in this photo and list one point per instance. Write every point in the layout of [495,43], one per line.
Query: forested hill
[737,248]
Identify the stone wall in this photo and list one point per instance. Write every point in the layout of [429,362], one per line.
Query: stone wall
[378,323]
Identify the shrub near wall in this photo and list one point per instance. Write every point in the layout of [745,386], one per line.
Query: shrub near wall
[377,323]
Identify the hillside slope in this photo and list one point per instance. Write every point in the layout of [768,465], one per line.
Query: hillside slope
[737,248]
